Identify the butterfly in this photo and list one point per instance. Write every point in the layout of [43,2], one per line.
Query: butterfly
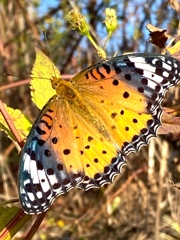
[85,131]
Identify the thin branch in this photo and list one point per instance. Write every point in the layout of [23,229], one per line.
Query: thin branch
[11,124]
[35,226]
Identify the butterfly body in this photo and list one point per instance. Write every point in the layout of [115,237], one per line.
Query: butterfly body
[84,132]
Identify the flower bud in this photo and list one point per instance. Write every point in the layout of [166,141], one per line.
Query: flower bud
[110,20]
[78,22]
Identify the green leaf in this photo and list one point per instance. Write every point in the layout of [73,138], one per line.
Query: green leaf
[21,122]
[12,219]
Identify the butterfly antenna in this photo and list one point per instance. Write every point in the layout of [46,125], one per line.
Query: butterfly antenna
[49,51]
[48,47]
[16,76]
[9,74]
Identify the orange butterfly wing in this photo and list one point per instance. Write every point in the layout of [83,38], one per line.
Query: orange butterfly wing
[84,132]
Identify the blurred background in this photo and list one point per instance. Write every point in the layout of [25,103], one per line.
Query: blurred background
[141,203]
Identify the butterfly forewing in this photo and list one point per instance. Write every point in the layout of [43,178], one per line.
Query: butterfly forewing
[83,133]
